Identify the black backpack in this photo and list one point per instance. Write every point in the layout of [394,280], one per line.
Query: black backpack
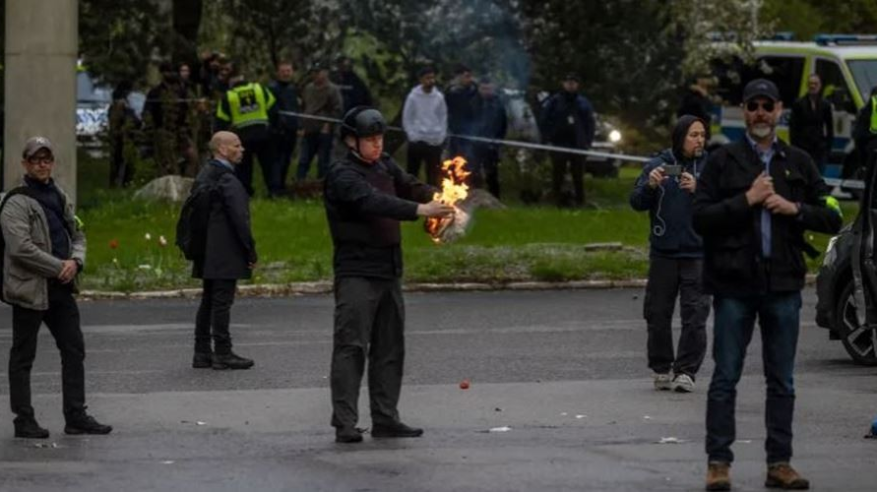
[21,190]
[192,224]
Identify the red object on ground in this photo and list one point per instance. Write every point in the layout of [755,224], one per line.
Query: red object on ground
[464,384]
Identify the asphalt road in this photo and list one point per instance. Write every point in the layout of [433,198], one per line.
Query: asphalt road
[564,371]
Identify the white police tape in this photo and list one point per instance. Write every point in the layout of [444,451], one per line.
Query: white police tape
[495,141]
[852,184]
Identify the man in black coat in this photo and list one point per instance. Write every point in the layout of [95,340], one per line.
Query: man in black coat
[460,97]
[811,124]
[354,92]
[697,100]
[864,134]
[567,120]
[230,254]
[490,122]
[284,132]
[754,201]
[366,195]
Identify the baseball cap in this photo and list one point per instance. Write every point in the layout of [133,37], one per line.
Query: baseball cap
[571,76]
[761,88]
[35,144]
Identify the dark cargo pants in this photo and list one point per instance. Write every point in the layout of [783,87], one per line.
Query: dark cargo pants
[369,323]
[667,278]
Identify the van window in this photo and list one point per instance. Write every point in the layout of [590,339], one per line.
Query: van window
[834,86]
[865,74]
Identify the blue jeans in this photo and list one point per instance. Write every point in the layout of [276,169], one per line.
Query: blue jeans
[778,316]
[314,144]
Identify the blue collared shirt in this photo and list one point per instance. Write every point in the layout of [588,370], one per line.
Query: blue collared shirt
[223,163]
[766,156]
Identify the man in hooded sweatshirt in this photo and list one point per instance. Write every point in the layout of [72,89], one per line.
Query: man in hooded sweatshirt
[425,121]
[666,189]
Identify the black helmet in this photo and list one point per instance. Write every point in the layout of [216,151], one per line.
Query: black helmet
[363,121]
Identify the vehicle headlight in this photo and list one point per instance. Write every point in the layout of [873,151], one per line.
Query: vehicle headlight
[615,136]
[830,253]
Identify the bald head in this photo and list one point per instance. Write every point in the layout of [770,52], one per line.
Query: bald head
[226,146]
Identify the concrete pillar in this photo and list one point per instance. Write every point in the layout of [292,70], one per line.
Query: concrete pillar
[42,44]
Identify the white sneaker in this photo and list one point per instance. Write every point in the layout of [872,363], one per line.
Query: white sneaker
[683,383]
[663,382]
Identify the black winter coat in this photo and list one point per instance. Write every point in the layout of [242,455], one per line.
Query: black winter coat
[230,244]
[731,229]
[568,119]
[812,129]
[364,204]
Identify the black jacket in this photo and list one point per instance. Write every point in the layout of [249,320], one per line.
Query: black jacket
[490,117]
[364,204]
[731,229]
[461,114]
[287,100]
[230,244]
[354,92]
[865,140]
[811,129]
[568,119]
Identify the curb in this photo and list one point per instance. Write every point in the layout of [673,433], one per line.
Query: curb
[316,288]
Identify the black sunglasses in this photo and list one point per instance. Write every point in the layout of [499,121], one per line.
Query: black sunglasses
[752,106]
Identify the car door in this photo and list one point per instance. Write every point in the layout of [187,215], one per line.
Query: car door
[863,260]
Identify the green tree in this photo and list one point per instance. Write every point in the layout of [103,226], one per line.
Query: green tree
[118,40]
[807,18]
[259,33]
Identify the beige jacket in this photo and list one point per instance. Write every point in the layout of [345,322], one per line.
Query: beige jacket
[27,259]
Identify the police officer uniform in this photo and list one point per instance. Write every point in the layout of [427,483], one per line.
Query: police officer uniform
[364,203]
[247,110]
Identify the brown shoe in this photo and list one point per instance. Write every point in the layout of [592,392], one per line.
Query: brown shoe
[783,476]
[718,476]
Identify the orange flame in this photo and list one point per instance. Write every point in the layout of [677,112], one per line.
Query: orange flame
[454,190]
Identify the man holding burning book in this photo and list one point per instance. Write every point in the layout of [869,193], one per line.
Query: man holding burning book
[366,195]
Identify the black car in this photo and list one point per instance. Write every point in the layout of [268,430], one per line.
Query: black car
[846,285]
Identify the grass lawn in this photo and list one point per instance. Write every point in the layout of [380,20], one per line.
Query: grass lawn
[519,243]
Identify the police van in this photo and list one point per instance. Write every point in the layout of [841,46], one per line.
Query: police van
[847,65]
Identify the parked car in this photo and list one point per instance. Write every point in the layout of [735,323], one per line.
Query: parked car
[846,286]
[92,108]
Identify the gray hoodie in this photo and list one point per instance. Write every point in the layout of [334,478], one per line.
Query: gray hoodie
[425,117]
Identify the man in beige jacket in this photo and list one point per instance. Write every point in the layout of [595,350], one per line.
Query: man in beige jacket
[44,251]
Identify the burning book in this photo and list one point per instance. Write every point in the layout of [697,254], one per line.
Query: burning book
[454,191]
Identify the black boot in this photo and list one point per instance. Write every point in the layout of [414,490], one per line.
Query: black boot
[202,360]
[397,429]
[348,435]
[28,428]
[85,424]
[231,361]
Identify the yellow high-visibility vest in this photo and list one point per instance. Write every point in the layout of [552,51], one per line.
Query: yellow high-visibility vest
[874,115]
[248,105]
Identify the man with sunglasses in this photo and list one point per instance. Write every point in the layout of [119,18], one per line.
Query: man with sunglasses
[754,201]
[44,252]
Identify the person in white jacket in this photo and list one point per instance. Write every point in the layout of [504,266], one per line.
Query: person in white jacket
[425,120]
